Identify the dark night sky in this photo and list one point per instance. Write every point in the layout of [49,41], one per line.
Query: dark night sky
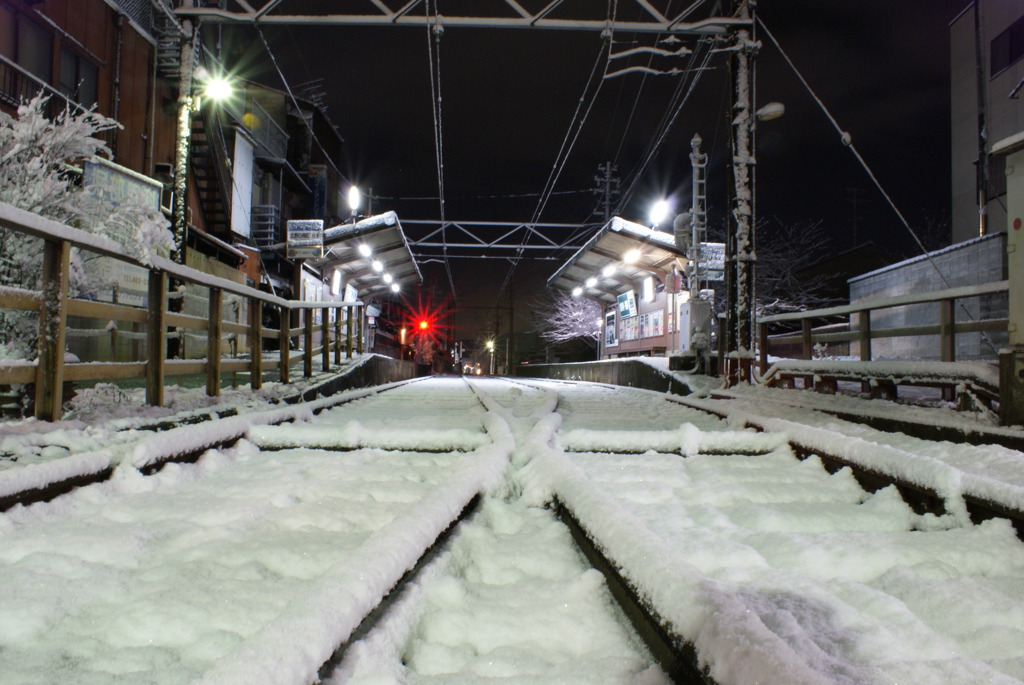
[881,66]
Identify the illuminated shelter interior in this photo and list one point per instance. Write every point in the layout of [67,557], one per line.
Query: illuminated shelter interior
[617,259]
[372,255]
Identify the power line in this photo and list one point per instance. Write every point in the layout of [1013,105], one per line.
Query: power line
[434,32]
[567,144]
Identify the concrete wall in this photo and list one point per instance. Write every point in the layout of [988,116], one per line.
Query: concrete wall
[978,261]
[1005,116]
[630,373]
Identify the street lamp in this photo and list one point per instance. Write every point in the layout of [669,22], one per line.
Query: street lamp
[490,348]
[355,198]
[658,212]
[216,88]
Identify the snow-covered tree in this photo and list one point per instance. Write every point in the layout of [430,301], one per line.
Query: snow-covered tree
[567,318]
[35,154]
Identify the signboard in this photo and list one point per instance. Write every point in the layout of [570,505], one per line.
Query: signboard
[627,304]
[241,178]
[113,280]
[305,239]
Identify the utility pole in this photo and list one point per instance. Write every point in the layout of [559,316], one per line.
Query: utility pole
[607,188]
[186,65]
[981,167]
[740,255]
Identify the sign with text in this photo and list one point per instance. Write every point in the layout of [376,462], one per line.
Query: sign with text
[627,304]
[305,239]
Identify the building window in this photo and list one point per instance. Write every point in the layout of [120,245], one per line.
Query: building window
[78,77]
[35,49]
[1007,47]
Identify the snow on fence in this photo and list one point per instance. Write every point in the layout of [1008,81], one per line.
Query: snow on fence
[947,328]
[54,303]
[967,385]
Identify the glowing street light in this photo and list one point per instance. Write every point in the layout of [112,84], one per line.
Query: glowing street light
[490,348]
[218,88]
[591,282]
[658,212]
[365,250]
[354,198]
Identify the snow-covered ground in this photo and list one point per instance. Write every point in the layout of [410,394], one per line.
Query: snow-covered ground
[252,565]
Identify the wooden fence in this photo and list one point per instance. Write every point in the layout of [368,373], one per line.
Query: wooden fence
[947,327]
[54,304]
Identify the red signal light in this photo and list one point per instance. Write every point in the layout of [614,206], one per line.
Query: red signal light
[424,324]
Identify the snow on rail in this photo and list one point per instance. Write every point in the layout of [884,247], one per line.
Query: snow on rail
[164,446]
[292,647]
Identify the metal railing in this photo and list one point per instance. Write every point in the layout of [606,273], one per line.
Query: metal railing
[18,85]
[54,303]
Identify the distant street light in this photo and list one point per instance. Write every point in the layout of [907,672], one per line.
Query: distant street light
[658,212]
[355,198]
[773,110]
[490,348]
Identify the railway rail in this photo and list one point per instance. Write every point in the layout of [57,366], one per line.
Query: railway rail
[432,471]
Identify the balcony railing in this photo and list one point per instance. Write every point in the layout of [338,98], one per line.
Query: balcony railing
[18,85]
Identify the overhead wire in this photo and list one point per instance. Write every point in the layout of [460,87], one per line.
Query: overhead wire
[848,142]
[295,102]
[570,138]
[434,34]
[688,83]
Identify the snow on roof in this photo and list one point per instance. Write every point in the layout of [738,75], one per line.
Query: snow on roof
[342,231]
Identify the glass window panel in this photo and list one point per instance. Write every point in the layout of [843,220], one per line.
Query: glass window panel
[35,49]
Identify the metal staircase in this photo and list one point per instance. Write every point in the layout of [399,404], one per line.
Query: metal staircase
[210,172]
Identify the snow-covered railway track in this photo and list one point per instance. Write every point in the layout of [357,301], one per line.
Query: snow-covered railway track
[44,481]
[736,560]
[249,565]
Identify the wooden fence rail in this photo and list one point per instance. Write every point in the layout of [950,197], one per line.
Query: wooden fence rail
[947,328]
[54,303]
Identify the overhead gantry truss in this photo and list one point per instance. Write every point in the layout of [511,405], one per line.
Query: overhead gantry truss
[432,239]
[570,15]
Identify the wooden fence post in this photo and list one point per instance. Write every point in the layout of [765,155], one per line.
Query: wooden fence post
[325,338]
[156,339]
[359,330]
[337,336]
[348,331]
[808,341]
[256,343]
[307,354]
[947,340]
[284,342]
[864,322]
[947,331]
[53,314]
[762,347]
[213,351]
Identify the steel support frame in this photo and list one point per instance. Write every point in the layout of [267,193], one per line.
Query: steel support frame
[650,19]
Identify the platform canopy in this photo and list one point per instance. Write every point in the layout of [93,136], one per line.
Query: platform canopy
[617,259]
[372,254]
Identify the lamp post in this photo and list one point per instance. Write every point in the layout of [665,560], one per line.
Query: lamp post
[490,348]
[215,88]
